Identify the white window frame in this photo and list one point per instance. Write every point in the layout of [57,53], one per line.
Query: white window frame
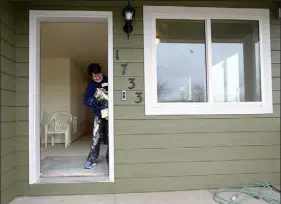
[152,107]
[35,18]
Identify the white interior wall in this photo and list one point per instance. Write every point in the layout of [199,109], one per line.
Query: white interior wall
[62,87]
[78,82]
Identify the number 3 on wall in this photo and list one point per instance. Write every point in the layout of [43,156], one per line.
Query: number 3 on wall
[132,82]
[139,97]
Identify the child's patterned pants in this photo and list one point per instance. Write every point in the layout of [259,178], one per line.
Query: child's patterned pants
[98,132]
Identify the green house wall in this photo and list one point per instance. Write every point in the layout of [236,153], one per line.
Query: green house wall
[8,101]
[152,153]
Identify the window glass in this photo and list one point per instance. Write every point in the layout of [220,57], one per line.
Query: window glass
[181,61]
[235,61]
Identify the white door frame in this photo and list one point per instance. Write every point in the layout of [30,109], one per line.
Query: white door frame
[35,17]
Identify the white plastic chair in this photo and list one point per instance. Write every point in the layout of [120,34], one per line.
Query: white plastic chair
[60,123]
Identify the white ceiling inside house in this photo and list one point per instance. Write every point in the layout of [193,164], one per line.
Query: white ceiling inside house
[84,42]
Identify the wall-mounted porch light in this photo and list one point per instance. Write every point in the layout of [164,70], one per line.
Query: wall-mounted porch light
[128,13]
[157,40]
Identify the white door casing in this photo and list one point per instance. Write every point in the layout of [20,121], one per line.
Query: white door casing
[35,18]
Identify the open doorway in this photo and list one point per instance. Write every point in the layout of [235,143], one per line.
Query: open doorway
[68,42]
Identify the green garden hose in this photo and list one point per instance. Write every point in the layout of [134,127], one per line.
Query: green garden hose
[270,197]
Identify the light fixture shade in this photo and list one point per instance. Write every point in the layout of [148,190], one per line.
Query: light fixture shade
[129,12]
[157,40]
[129,15]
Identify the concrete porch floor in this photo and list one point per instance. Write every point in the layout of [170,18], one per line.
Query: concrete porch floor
[182,197]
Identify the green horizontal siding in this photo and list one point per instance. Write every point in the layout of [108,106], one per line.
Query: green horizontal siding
[198,151]
[177,169]
[8,34]
[22,69]
[7,66]
[135,112]
[196,140]
[9,193]
[8,102]
[8,50]
[238,125]
[8,129]
[8,98]
[167,183]
[8,180]
[8,82]
[7,163]
[7,146]
[197,154]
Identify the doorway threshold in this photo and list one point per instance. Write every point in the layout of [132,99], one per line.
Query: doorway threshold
[73,179]
[72,166]
[84,174]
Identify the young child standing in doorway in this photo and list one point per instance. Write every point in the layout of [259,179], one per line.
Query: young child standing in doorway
[95,97]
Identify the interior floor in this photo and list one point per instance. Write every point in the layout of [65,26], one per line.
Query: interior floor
[58,162]
[80,147]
